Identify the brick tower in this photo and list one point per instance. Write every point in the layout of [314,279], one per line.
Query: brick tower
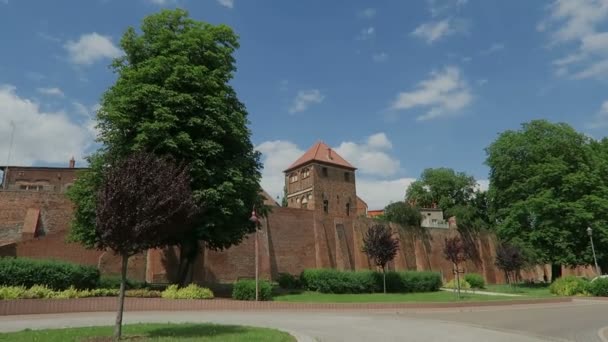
[322,180]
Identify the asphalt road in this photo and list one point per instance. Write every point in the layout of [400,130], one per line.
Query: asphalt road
[578,321]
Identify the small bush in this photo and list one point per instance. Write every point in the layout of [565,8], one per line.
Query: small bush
[113,282]
[453,284]
[145,293]
[12,292]
[38,292]
[599,287]
[191,291]
[570,286]
[245,290]
[475,280]
[288,281]
[104,292]
[56,275]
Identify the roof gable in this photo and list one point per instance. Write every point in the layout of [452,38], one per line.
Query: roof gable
[322,153]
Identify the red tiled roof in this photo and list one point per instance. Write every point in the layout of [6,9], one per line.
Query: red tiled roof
[320,152]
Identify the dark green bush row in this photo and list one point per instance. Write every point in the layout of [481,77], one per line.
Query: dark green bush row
[245,290]
[56,275]
[599,287]
[334,281]
[113,282]
[288,281]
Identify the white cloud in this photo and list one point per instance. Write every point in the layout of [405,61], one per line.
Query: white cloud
[444,93]
[162,2]
[367,13]
[379,193]
[304,99]
[495,47]
[370,157]
[40,136]
[441,7]
[53,91]
[91,48]
[380,57]
[367,33]
[482,185]
[579,22]
[433,30]
[226,3]
[277,155]
[600,120]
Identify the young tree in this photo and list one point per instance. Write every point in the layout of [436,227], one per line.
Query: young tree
[143,202]
[402,213]
[510,259]
[456,251]
[380,245]
[173,96]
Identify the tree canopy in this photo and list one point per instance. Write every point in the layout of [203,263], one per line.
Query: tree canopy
[403,214]
[380,245]
[548,183]
[173,97]
[442,187]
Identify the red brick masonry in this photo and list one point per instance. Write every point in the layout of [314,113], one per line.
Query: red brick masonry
[51,306]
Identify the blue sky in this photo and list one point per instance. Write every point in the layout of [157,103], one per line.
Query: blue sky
[394,86]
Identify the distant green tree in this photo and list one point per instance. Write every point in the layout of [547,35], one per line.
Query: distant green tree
[284,202]
[403,214]
[173,97]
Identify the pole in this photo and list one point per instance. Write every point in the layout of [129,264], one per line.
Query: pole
[8,159]
[597,267]
[257,278]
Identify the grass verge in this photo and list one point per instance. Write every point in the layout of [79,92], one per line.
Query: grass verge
[537,291]
[153,332]
[431,297]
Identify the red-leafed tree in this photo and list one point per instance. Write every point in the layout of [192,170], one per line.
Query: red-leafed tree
[380,244]
[457,251]
[144,202]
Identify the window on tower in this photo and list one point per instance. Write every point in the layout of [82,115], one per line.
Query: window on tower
[324,172]
[347,176]
[326,206]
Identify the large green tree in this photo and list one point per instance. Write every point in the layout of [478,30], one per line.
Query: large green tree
[547,185]
[173,97]
[442,187]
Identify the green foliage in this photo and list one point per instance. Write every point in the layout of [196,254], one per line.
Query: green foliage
[549,182]
[245,290]
[380,244]
[39,292]
[191,291]
[43,292]
[57,275]
[403,214]
[334,281]
[599,287]
[453,284]
[570,286]
[475,280]
[12,292]
[143,293]
[113,282]
[288,281]
[442,187]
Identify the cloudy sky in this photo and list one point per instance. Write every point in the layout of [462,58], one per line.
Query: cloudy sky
[394,86]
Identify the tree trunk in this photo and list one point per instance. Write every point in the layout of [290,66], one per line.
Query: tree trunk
[188,251]
[457,279]
[556,271]
[121,298]
[384,279]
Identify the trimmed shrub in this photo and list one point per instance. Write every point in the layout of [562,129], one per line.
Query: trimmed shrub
[453,284]
[334,281]
[245,290]
[12,292]
[145,293]
[56,275]
[113,282]
[105,292]
[475,280]
[288,281]
[570,286]
[599,287]
[38,292]
[191,291]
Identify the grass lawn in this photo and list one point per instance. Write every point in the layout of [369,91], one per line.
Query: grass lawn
[537,291]
[154,332]
[440,296]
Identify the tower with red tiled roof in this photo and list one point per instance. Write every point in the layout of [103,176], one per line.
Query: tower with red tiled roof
[322,180]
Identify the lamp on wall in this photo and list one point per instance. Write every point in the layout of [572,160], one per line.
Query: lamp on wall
[256,220]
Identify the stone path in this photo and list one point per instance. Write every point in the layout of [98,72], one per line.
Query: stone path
[485,293]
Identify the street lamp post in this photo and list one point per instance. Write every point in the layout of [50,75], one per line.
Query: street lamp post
[256,220]
[597,267]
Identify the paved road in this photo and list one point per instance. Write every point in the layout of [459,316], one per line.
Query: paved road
[579,321]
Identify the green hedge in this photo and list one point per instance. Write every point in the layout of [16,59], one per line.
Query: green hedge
[475,280]
[453,284]
[56,275]
[334,281]
[113,282]
[43,292]
[288,281]
[599,287]
[570,286]
[245,290]
[191,291]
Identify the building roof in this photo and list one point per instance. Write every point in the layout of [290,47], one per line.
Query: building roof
[268,200]
[52,168]
[321,153]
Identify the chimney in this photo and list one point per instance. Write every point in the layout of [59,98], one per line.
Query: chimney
[329,153]
[72,163]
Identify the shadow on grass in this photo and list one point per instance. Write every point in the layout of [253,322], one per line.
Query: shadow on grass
[196,330]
